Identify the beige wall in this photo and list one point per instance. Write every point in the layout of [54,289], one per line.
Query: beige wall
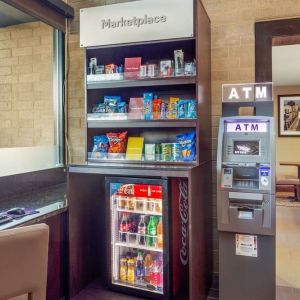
[26,98]
[287,148]
[232,61]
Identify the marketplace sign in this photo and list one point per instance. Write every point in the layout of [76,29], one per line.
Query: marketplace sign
[136,21]
[247,92]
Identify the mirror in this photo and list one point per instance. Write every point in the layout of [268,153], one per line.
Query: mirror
[28,93]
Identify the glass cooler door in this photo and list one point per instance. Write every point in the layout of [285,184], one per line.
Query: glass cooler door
[137,236]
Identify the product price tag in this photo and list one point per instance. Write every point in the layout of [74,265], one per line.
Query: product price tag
[246,245]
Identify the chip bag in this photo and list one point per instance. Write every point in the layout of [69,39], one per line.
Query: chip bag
[117,142]
[187,143]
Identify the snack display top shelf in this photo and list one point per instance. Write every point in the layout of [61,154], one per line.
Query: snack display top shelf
[174,80]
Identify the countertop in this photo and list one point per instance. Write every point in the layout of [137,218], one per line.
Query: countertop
[48,201]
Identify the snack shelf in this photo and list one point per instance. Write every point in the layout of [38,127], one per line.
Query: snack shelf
[159,81]
[123,160]
[135,246]
[117,123]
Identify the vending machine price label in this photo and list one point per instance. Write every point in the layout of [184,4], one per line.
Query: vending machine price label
[246,245]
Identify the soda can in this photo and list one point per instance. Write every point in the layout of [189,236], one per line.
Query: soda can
[166,152]
[143,71]
[151,70]
[176,151]
[164,110]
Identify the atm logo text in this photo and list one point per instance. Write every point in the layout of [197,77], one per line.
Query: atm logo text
[246,127]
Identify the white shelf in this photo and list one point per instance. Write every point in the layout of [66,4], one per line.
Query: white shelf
[140,212]
[133,245]
[137,286]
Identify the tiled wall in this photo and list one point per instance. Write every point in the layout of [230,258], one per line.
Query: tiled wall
[232,61]
[26,98]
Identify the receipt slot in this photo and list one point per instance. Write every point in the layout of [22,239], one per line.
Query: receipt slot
[246,208]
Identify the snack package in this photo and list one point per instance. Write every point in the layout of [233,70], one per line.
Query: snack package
[173,107]
[179,62]
[112,100]
[122,107]
[109,69]
[147,105]
[187,142]
[135,108]
[191,110]
[101,145]
[181,109]
[117,142]
[164,110]
[156,107]
[99,108]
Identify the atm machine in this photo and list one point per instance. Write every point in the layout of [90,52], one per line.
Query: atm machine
[246,208]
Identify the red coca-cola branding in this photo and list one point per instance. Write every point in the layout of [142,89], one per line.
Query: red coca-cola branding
[183,210]
[180,238]
[140,190]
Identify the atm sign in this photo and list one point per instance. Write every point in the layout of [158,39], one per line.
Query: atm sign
[246,127]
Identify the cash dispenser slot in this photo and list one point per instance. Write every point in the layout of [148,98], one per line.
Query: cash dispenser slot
[245,178]
[245,206]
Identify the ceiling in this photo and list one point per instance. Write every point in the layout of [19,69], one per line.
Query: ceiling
[12,16]
[286,65]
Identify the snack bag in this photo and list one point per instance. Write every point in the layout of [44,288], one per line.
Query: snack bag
[99,108]
[122,107]
[156,108]
[117,142]
[173,107]
[191,110]
[187,142]
[101,145]
[181,108]
[147,105]
[112,100]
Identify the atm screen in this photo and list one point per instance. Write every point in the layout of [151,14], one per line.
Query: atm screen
[246,147]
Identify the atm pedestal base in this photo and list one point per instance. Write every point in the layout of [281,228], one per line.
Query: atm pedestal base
[244,277]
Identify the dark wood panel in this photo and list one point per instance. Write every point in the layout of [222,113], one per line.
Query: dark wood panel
[286,40]
[264,34]
[87,236]
[203,50]
[200,234]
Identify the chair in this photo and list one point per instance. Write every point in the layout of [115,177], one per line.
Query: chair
[23,262]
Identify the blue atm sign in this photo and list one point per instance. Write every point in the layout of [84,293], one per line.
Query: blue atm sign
[246,127]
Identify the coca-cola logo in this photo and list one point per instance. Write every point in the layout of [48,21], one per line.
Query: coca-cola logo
[183,211]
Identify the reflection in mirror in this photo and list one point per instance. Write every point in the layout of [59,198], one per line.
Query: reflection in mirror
[27,114]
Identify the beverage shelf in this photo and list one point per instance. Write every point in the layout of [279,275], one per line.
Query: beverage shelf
[141,212]
[136,246]
[159,81]
[144,287]
[168,123]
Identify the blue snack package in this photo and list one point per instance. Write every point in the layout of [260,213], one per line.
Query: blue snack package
[187,142]
[99,108]
[111,109]
[112,100]
[147,105]
[191,110]
[101,144]
[122,107]
[181,108]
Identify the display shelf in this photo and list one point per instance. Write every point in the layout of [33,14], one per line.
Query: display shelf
[135,246]
[143,212]
[178,80]
[144,287]
[168,123]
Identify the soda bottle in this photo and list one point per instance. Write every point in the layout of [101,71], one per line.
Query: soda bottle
[142,231]
[155,274]
[130,270]
[123,228]
[148,264]
[123,269]
[160,234]
[139,269]
[151,232]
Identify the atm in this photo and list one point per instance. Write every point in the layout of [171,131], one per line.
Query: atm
[246,207]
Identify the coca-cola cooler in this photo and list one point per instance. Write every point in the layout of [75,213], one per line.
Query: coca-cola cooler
[144,219]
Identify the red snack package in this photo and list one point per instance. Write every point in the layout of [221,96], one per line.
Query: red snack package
[117,142]
[156,107]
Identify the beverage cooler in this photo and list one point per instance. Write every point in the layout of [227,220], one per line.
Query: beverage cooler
[139,261]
